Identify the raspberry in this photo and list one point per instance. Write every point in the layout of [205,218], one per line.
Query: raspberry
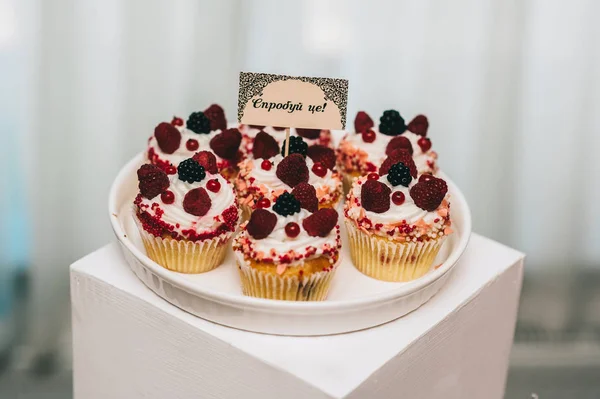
[216,116]
[309,133]
[190,171]
[297,146]
[226,143]
[362,122]
[391,123]
[307,195]
[397,143]
[208,160]
[196,202]
[230,217]
[419,125]
[429,193]
[375,196]
[198,123]
[292,170]
[265,146]
[400,155]
[153,180]
[320,223]
[286,204]
[399,174]
[323,154]
[167,137]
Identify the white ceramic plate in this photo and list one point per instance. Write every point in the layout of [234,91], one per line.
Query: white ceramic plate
[355,301]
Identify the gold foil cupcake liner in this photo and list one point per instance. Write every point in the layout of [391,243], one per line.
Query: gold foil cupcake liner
[259,284]
[388,260]
[185,256]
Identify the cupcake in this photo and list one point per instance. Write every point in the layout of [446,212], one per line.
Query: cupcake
[267,174]
[290,249]
[363,151]
[176,141]
[186,221]
[310,136]
[397,223]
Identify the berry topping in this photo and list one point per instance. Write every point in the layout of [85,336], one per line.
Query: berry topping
[177,121]
[226,143]
[292,170]
[191,171]
[263,203]
[372,176]
[398,197]
[375,196]
[428,194]
[398,142]
[261,224]
[419,125]
[208,160]
[322,154]
[167,137]
[368,136]
[399,174]
[216,116]
[309,133]
[363,122]
[391,123]
[286,204]
[196,202]
[425,177]
[319,170]
[297,146]
[320,223]
[307,195]
[292,229]
[424,143]
[230,218]
[399,156]
[153,180]
[265,146]
[213,185]
[278,128]
[191,145]
[266,164]
[198,123]
[167,197]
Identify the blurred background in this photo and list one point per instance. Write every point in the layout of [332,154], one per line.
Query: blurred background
[511,89]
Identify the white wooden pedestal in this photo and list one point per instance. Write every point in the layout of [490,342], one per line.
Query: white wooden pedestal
[129,343]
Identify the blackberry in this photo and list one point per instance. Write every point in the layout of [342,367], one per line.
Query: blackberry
[286,204]
[399,174]
[297,146]
[391,123]
[191,171]
[198,123]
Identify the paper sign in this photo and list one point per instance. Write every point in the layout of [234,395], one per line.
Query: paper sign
[292,101]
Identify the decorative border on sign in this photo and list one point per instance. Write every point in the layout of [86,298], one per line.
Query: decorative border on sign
[252,84]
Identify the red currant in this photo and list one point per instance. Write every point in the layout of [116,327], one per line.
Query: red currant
[424,143]
[266,164]
[171,170]
[292,229]
[177,121]
[263,203]
[213,185]
[191,144]
[372,176]
[398,198]
[368,136]
[425,177]
[319,169]
[167,197]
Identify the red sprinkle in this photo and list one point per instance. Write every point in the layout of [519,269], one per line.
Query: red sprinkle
[167,197]
[213,185]
[191,145]
[292,229]
[319,170]
[398,198]
[266,164]
[368,136]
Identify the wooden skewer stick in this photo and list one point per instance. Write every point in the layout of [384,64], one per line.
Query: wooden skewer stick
[287,141]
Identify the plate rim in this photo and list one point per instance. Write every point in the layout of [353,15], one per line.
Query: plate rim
[242,301]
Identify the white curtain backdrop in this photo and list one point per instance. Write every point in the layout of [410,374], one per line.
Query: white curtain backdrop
[511,89]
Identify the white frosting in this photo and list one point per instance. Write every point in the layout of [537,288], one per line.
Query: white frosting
[182,153]
[408,210]
[175,214]
[282,243]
